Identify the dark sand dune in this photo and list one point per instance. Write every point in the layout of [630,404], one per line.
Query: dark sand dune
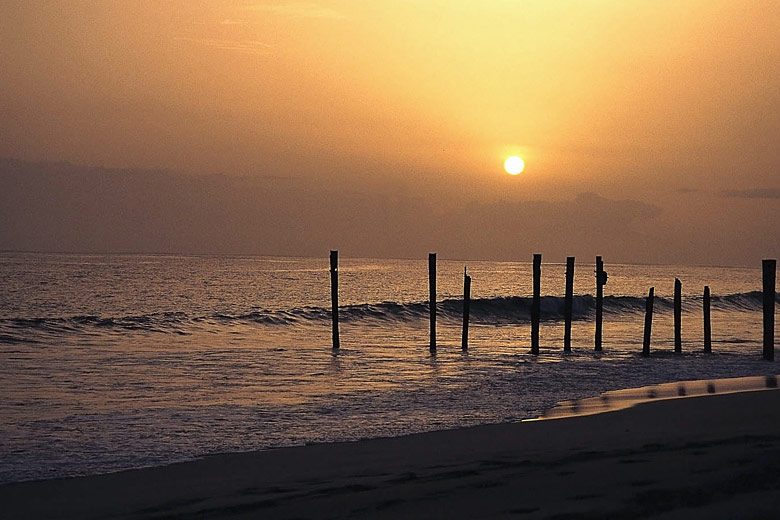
[705,457]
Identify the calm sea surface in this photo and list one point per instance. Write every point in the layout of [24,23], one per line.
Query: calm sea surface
[110,362]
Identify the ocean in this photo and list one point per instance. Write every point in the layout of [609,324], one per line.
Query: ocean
[112,362]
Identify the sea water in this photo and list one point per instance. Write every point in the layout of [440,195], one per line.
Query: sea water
[110,362]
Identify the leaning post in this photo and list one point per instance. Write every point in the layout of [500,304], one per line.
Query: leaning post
[466,309]
[648,322]
[707,322]
[601,279]
[432,298]
[334,297]
[677,316]
[770,273]
[568,303]
[536,303]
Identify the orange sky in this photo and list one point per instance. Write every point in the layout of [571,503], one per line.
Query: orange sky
[637,100]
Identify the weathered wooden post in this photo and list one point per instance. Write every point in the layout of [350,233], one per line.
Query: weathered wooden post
[601,279]
[466,309]
[707,323]
[770,267]
[568,302]
[334,296]
[648,322]
[432,298]
[677,316]
[536,303]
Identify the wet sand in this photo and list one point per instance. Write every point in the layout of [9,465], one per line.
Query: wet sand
[716,456]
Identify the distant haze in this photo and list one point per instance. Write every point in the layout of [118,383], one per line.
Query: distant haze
[649,129]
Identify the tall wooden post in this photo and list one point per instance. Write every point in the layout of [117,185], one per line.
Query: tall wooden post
[600,280]
[466,309]
[334,296]
[432,298]
[707,323]
[568,303]
[535,304]
[677,316]
[648,322]
[770,273]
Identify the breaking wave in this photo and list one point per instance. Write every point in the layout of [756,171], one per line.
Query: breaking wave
[498,310]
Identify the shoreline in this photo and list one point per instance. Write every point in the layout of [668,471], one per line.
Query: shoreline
[608,401]
[677,448]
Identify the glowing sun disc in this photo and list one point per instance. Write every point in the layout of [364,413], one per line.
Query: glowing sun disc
[514,165]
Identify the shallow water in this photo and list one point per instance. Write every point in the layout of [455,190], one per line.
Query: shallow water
[628,397]
[112,362]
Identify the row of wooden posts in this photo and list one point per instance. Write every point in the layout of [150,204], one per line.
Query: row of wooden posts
[769,274]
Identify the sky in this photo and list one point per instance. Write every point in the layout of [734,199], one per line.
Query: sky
[648,128]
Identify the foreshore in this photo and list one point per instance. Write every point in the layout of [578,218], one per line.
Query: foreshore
[716,456]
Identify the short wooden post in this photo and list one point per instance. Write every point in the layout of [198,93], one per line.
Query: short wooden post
[707,323]
[601,278]
[466,309]
[432,298]
[648,322]
[568,303]
[536,304]
[334,296]
[770,267]
[677,316]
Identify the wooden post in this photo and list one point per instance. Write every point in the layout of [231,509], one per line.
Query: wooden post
[466,308]
[648,322]
[707,323]
[600,280]
[535,304]
[568,302]
[334,296]
[770,267]
[432,298]
[677,316]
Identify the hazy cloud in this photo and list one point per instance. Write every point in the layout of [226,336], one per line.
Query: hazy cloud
[299,10]
[62,207]
[756,193]
[241,46]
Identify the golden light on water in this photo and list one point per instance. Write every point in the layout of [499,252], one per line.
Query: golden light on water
[514,165]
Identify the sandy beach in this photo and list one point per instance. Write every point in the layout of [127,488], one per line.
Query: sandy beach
[698,457]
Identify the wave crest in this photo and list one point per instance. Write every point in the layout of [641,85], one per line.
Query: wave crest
[497,310]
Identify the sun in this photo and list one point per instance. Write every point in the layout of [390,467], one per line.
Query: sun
[514,165]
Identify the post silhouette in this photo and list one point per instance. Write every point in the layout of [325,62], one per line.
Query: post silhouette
[334,297]
[568,303]
[770,273]
[707,323]
[432,299]
[535,304]
[466,308]
[648,322]
[677,316]
[600,281]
